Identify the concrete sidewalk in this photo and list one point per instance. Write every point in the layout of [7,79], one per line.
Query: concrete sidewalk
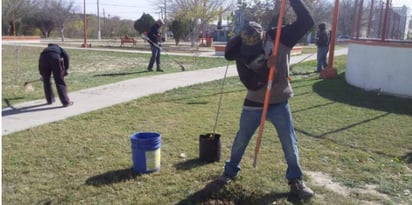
[34,113]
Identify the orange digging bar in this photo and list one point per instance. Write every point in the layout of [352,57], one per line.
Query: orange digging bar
[269,86]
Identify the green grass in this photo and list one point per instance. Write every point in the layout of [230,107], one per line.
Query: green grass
[358,138]
[88,68]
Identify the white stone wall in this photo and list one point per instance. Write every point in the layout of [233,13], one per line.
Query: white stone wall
[378,67]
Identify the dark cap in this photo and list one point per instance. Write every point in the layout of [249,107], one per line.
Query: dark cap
[322,26]
[251,36]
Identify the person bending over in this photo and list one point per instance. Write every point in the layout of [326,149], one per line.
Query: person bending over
[55,60]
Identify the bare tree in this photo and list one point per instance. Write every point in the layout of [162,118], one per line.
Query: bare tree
[43,18]
[15,10]
[200,12]
[267,12]
[322,11]
[61,12]
[54,13]
[346,16]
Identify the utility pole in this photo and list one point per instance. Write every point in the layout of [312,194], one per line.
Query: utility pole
[84,26]
[161,13]
[165,20]
[99,35]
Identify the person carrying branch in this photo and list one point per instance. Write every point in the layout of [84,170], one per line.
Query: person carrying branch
[54,59]
[155,38]
[252,51]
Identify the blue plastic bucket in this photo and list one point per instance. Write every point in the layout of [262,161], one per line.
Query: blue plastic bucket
[146,151]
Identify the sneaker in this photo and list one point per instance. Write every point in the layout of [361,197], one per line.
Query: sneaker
[224,179]
[159,70]
[68,104]
[299,189]
[149,70]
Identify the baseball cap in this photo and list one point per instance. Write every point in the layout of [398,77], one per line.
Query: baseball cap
[251,36]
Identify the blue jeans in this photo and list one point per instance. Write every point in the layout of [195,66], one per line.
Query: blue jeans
[155,57]
[281,117]
[322,53]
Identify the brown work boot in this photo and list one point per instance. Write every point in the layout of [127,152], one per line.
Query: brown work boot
[298,188]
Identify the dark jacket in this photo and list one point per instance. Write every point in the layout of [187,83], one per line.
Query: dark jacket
[55,51]
[322,38]
[154,33]
[253,70]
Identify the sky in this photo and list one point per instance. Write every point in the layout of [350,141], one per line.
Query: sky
[133,9]
[408,3]
[125,9]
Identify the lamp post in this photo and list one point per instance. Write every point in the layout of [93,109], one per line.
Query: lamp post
[99,35]
[84,26]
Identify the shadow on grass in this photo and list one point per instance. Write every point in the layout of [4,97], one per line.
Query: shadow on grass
[343,128]
[112,177]
[339,91]
[303,73]
[407,159]
[118,74]
[198,103]
[217,192]
[302,94]
[314,107]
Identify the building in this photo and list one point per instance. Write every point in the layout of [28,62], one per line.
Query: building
[401,23]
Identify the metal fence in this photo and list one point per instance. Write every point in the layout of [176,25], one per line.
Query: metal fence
[377,19]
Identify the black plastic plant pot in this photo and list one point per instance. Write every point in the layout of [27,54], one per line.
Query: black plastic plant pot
[209,147]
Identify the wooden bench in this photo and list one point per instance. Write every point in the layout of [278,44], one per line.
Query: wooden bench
[296,50]
[127,39]
[220,50]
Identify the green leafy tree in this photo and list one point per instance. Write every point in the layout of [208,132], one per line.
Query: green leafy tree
[179,29]
[126,28]
[144,23]
[200,13]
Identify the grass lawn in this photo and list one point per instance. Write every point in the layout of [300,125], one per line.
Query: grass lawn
[88,68]
[355,146]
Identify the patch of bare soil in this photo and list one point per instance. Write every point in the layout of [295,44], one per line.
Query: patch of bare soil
[324,180]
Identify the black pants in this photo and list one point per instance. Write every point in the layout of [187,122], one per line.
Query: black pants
[155,57]
[49,64]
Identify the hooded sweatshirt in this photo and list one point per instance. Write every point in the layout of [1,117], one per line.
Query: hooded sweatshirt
[253,70]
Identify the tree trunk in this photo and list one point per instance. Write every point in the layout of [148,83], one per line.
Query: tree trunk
[14,27]
[62,33]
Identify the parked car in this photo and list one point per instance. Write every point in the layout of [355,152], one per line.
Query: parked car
[343,38]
